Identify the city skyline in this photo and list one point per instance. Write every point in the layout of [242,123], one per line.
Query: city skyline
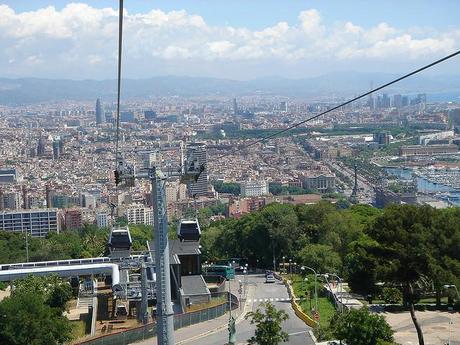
[300,41]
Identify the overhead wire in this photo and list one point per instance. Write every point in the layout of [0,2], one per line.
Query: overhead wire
[255,142]
[117,139]
[120,47]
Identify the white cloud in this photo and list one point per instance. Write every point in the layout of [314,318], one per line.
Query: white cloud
[79,35]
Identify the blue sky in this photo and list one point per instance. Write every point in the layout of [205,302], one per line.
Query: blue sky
[232,39]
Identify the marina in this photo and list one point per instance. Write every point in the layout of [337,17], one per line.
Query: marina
[441,183]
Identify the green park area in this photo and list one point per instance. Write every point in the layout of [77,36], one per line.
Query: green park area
[304,289]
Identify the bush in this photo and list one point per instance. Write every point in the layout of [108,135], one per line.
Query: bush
[391,295]
[360,327]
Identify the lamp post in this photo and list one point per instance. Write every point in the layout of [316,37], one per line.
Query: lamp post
[231,319]
[284,264]
[303,268]
[290,268]
[245,272]
[27,246]
[341,288]
[450,286]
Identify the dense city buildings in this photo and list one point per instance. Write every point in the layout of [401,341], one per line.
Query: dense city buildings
[37,223]
[56,155]
[254,188]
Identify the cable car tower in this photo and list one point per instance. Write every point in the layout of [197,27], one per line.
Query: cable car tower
[125,175]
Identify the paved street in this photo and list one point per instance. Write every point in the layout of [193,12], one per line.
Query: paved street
[258,292]
[215,331]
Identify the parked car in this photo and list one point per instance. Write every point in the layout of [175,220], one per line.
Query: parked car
[269,278]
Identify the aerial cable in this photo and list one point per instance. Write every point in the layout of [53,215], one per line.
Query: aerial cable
[117,140]
[120,46]
[341,105]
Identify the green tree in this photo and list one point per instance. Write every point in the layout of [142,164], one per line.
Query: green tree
[360,266]
[26,319]
[404,252]
[320,256]
[360,327]
[140,234]
[268,325]
[53,291]
[391,295]
[227,187]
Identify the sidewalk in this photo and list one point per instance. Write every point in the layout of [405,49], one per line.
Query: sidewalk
[342,296]
[200,330]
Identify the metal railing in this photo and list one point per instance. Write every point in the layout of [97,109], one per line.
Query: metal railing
[148,331]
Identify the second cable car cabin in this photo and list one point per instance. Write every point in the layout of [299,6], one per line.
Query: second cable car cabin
[120,242]
[189,230]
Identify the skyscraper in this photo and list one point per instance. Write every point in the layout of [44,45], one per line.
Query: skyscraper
[198,150]
[100,118]
[56,150]
[235,107]
[41,147]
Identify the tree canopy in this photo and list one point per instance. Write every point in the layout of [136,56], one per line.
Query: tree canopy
[269,330]
[360,327]
[33,314]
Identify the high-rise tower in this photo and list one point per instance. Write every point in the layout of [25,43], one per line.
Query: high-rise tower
[41,147]
[100,117]
[198,150]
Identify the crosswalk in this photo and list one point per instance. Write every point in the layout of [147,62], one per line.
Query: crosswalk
[272,299]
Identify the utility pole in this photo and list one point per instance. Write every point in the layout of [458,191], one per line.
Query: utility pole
[125,174]
[27,246]
[231,319]
[165,314]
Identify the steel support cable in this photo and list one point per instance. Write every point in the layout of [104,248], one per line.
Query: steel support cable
[340,105]
[117,139]
[120,46]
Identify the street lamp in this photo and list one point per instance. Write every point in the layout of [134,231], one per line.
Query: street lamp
[290,268]
[284,264]
[27,246]
[303,268]
[341,287]
[450,286]
[231,319]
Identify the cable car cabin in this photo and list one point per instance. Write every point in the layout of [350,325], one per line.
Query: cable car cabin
[120,242]
[189,230]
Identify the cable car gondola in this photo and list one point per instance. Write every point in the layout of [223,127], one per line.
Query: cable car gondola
[189,230]
[120,242]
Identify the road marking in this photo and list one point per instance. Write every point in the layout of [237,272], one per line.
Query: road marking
[297,333]
[272,299]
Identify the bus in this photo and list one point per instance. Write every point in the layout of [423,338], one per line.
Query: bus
[227,272]
[238,264]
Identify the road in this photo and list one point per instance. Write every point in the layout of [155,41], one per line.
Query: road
[366,194]
[258,292]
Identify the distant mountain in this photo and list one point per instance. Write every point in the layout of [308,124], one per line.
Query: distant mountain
[342,84]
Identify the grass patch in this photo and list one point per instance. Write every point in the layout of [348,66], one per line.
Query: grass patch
[424,300]
[78,329]
[325,307]
[214,302]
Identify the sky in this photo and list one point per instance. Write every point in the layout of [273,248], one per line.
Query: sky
[226,39]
